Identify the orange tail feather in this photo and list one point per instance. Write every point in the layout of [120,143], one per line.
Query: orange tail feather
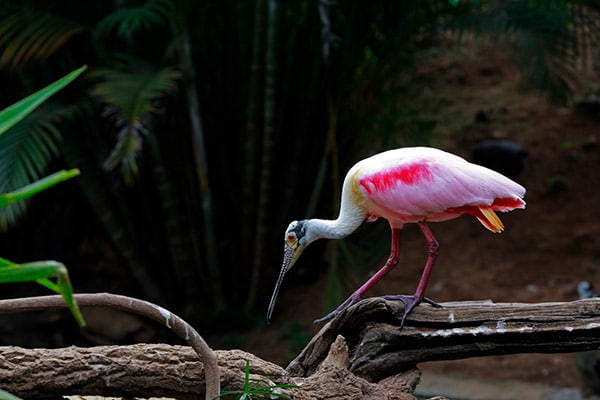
[490,220]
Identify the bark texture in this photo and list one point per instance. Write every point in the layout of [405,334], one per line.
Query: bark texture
[378,348]
[160,370]
[362,354]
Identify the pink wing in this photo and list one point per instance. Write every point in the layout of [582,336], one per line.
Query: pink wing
[435,186]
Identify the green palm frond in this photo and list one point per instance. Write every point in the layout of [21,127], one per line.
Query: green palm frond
[545,46]
[28,35]
[540,35]
[127,21]
[25,151]
[14,113]
[131,100]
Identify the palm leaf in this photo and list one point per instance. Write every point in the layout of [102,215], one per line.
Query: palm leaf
[131,99]
[25,151]
[28,35]
[539,34]
[127,21]
[19,110]
[545,46]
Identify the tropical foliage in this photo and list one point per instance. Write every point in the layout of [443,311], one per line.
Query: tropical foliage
[203,127]
[41,272]
[257,390]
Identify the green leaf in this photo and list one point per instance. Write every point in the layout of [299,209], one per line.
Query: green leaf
[4,262]
[37,186]
[28,272]
[258,388]
[16,112]
[4,395]
[65,289]
[26,151]
[126,21]
[134,94]
[29,35]
[132,97]
[48,284]
[40,272]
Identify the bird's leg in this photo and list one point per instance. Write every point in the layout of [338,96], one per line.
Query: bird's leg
[411,302]
[432,253]
[357,295]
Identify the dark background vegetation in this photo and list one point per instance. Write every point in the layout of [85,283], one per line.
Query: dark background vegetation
[203,127]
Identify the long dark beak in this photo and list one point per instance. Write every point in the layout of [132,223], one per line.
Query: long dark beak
[290,255]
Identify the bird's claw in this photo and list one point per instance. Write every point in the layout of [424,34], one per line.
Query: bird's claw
[414,298]
[410,302]
[432,303]
[327,317]
[347,303]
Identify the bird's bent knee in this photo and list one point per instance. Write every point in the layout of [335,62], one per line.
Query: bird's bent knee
[434,248]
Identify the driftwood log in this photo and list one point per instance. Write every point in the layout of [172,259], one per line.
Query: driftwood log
[362,354]
[135,306]
[161,370]
[458,330]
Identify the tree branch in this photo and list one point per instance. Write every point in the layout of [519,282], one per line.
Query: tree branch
[160,370]
[140,370]
[458,330]
[136,306]
[361,354]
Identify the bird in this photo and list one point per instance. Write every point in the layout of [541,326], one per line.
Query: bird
[406,185]
[588,362]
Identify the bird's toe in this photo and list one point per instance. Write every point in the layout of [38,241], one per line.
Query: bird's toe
[432,303]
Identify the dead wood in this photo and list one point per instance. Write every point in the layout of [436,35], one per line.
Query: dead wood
[375,361]
[159,370]
[378,348]
[135,306]
[140,370]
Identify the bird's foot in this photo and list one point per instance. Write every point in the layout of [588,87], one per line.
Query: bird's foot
[411,302]
[349,301]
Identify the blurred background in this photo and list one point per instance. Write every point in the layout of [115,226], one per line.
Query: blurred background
[202,128]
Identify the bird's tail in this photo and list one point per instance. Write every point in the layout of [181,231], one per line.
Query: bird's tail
[489,219]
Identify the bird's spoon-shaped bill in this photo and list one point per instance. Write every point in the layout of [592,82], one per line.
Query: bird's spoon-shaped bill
[290,255]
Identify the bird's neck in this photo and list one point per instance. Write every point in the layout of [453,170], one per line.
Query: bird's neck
[350,218]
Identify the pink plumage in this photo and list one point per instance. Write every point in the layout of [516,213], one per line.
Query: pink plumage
[408,185]
[426,184]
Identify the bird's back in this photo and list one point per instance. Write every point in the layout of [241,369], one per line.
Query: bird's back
[421,183]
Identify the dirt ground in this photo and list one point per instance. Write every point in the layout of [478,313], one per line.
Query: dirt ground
[545,250]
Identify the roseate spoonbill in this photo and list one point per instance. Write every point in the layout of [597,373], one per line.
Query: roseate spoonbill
[407,185]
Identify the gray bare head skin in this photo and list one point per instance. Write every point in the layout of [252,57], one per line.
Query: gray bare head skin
[296,240]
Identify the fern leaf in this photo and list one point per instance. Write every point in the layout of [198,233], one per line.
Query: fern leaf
[28,35]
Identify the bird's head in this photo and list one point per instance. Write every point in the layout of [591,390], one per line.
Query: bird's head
[297,237]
